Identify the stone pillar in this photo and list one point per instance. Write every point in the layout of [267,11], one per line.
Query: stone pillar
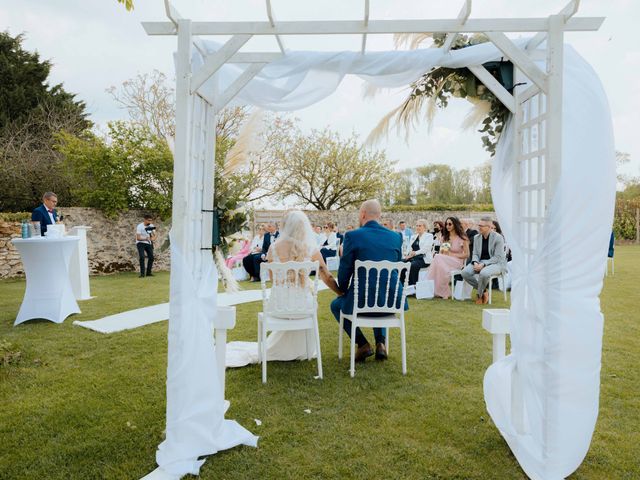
[79,267]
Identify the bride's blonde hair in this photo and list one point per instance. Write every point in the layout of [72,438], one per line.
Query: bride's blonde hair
[297,230]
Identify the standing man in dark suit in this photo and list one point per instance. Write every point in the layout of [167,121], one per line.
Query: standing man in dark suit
[252,262]
[46,213]
[371,242]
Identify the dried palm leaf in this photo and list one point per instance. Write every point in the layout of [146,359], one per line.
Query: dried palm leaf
[248,143]
[226,275]
[477,114]
[412,40]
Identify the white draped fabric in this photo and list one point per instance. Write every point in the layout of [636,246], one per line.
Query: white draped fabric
[303,78]
[195,403]
[556,339]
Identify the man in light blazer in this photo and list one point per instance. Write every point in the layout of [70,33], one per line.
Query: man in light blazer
[46,213]
[488,259]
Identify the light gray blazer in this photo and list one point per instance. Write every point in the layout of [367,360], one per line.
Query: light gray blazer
[496,250]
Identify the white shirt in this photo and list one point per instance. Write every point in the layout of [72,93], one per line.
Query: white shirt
[49,213]
[425,242]
[320,239]
[256,242]
[140,230]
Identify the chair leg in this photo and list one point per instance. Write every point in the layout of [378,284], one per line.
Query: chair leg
[259,337]
[340,337]
[490,289]
[319,357]
[306,342]
[386,340]
[264,354]
[352,364]
[403,346]
[453,286]
[504,287]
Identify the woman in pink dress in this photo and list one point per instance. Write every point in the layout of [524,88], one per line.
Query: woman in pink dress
[448,259]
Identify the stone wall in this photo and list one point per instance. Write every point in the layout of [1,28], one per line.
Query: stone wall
[350,217]
[110,242]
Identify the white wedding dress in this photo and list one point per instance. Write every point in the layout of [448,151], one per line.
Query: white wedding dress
[282,346]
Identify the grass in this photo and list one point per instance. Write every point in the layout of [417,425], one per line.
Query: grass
[77,404]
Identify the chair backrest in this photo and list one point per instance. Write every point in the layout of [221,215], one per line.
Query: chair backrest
[293,293]
[377,286]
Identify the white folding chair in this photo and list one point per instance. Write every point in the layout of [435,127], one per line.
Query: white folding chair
[393,304]
[291,305]
[500,276]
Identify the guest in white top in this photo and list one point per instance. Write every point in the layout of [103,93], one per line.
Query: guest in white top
[420,254]
[256,243]
[320,236]
[145,236]
[331,244]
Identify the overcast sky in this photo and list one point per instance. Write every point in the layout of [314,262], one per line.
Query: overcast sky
[95,44]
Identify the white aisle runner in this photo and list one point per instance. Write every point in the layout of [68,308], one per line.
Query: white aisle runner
[158,313]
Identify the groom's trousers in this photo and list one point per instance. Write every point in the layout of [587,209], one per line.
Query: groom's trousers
[378,333]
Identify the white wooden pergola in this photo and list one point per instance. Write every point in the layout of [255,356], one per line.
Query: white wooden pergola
[536,106]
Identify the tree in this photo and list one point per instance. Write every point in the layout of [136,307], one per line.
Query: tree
[326,172]
[24,87]
[130,168]
[128,4]
[31,113]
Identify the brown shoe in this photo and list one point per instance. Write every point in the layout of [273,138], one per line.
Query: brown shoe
[381,351]
[479,300]
[363,352]
[485,297]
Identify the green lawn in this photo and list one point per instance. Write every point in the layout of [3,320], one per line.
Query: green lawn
[77,404]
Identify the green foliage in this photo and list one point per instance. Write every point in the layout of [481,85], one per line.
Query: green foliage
[439,184]
[14,216]
[624,222]
[23,83]
[442,207]
[441,84]
[9,353]
[31,114]
[134,170]
[128,4]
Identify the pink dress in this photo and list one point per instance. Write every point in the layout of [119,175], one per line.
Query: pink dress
[244,251]
[440,269]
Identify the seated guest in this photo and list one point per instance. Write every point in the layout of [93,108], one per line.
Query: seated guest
[370,242]
[245,249]
[330,245]
[46,213]
[404,230]
[496,228]
[467,225]
[488,259]
[388,223]
[438,228]
[454,250]
[252,261]
[420,254]
[338,234]
[320,236]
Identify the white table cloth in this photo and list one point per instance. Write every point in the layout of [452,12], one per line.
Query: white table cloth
[49,294]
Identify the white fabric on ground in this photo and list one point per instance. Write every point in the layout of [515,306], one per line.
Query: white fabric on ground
[556,339]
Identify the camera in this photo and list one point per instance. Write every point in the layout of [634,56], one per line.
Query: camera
[149,228]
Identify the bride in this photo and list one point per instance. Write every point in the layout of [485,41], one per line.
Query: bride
[297,242]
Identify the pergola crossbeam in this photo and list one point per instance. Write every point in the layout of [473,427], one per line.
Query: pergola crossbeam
[569,10]
[366,23]
[496,88]
[463,16]
[217,60]
[519,59]
[341,27]
[272,21]
[238,84]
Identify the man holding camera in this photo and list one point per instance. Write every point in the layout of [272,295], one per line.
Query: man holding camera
[145,236]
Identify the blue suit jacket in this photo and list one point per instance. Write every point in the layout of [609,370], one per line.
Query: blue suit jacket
[370,242]
[41,215]
[266,241]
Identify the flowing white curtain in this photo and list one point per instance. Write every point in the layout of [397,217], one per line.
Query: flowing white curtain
[557,337]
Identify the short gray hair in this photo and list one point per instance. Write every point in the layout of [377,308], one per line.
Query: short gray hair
[48,195]
[486,219]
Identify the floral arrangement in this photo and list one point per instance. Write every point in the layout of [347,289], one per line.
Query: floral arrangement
[445,247]
[436,87]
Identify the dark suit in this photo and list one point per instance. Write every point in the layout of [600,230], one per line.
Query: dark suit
[41,215]
[252,261]
[370,242]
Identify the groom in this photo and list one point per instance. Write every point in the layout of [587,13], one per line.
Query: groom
[371,242]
